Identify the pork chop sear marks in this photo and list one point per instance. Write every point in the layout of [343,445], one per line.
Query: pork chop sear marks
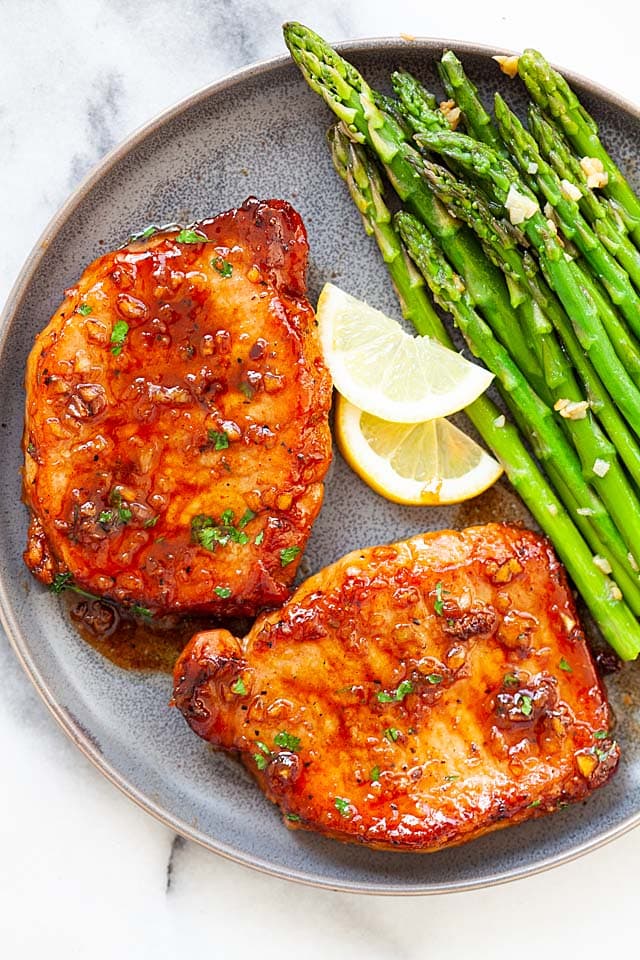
[412,696]
[177,432]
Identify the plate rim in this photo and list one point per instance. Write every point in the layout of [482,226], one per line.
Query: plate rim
[21,648]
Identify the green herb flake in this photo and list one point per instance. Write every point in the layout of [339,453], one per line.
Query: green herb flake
[262,746]
[261,761]
[190,236]
[223,592]
[226,518]
[151,522]
[84,309]
[106,516]
[260,537]
[246,390]
[391,734]
[525,704]
[220,440]
[402,690]
[118,336]
[239,687]
[223,266]
[61,582]
[434,678]
[374,776]
[342,805]
[534,803]
[31,449]
[149,232]
[565,665]
[452,776]
[125,514]
[510,680]
[246,518]
[139,611]
[288,555]
[293,817]
[601,734]
[287,741]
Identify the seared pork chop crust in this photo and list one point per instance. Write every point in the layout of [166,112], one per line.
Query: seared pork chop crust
[177,432]
[412,696]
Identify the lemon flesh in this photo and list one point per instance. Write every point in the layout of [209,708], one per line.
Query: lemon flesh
[430,463]
[383,370]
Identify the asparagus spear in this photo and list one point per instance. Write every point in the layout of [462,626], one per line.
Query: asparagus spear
[614,618]
[460,88]
[553,94]
[417,105]
[468,205]
[546,184]
[354,102]
[604,219]
[502,179]
[365,186]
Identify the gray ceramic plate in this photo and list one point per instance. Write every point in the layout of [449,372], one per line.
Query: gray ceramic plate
[260,132]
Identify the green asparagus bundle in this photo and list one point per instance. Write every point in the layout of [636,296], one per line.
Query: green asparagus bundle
[372,120]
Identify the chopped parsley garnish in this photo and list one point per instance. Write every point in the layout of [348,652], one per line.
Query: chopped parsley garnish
[262,746]
[288,555]
[438,603]
[223,592]
[223,266]
[246,518]
[246,389]
[260,537]
[261,760]
[208,533]
[397,695]
[510,680]
[565,665]
[452,776]
[61,582]
[151,522]
[601,734]
[220,440]
[118,336]
[125,514]
[293,817]
[149,232]
[342,806]
[287,741]
[84,309]
[391,734]
[106,516]
[434,678]
[139,611]
[534,803]
[525,704]
[374,776]
[31,449]
[239,687]
[190,236]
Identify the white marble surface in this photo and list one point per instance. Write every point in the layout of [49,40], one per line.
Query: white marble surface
[84,871]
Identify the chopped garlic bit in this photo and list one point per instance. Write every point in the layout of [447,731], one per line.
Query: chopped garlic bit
[451,112]
[409,37]
[585,511]
[633,563]
[602,563]
[532,167]
[571,409]
[552,226]
[570,190]
[595,172]
[519,207]
[568,258]
[614,591]
[568,621]
[601,467]
[553,510]
[458,283]
[508,65]
[499,421]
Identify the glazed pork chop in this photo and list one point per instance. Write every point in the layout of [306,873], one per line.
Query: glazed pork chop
[412,696]
[177,430]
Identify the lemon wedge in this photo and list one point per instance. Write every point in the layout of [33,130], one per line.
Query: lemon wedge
[385,371]
[428,463]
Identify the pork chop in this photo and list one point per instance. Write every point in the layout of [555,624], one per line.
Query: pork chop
[177,430]
[412,696]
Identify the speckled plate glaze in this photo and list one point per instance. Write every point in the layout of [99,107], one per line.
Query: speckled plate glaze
[262,132]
